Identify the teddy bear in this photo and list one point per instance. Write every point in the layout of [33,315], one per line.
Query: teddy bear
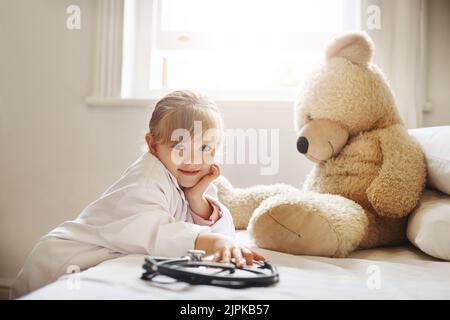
[368,173]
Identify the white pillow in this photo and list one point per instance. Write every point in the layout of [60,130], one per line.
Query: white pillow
[429,225]
[435,143]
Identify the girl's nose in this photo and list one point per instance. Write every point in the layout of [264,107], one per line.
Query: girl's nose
[193,157]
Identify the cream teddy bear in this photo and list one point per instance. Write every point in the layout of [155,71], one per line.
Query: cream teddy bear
[368,175]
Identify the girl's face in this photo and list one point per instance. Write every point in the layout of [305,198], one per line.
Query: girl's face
[187,161]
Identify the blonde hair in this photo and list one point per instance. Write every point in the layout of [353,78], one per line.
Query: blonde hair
[179,110]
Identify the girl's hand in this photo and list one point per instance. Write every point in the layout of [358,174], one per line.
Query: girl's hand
[221,248]
[202,185]
[194,195]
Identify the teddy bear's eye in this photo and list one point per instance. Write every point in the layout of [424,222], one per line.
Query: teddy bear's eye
[308,117]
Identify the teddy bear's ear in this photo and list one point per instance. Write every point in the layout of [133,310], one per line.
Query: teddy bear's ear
[356,47]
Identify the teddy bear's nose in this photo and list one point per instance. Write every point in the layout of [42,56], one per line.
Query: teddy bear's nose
[302,145]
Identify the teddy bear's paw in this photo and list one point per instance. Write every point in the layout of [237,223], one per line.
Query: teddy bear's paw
[223,185]
[305,224]
[292,228]
[242,202]
[235,199]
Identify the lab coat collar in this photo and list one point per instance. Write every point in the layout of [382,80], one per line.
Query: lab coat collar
[172,177]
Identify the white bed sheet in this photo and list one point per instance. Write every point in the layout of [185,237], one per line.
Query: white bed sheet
[404,273]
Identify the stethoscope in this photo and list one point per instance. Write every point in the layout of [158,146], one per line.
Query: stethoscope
[193,270]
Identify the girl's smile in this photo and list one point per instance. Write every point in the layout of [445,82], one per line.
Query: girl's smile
[189,172]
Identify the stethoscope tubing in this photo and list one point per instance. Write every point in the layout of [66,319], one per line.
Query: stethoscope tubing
[171,268]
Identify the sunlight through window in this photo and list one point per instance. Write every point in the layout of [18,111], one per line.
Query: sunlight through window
[243,46]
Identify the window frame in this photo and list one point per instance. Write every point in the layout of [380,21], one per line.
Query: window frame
[138,20]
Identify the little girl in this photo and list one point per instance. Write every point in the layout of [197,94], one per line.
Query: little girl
[164,203]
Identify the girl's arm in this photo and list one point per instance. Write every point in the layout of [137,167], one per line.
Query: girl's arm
[195,195]
[200,206]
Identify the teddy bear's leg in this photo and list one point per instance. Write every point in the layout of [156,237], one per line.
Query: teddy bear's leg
[384,231]
[309,223]
[243,201]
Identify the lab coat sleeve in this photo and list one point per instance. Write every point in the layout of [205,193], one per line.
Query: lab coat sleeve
[215,215]
[142,224]
[53,257]
[153,229]
[221,220]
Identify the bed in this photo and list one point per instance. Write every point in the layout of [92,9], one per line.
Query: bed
[383,273]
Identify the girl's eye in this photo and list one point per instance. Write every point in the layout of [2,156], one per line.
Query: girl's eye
[206,148]
[179,146]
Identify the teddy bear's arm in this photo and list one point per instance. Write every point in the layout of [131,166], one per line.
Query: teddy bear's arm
[397,188]
[243,201]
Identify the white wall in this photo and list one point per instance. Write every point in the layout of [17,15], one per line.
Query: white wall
[57,154]
[438,63]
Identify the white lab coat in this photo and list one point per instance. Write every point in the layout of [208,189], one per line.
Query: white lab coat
[144,212]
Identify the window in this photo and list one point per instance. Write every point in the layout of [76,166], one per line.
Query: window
[229,48]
